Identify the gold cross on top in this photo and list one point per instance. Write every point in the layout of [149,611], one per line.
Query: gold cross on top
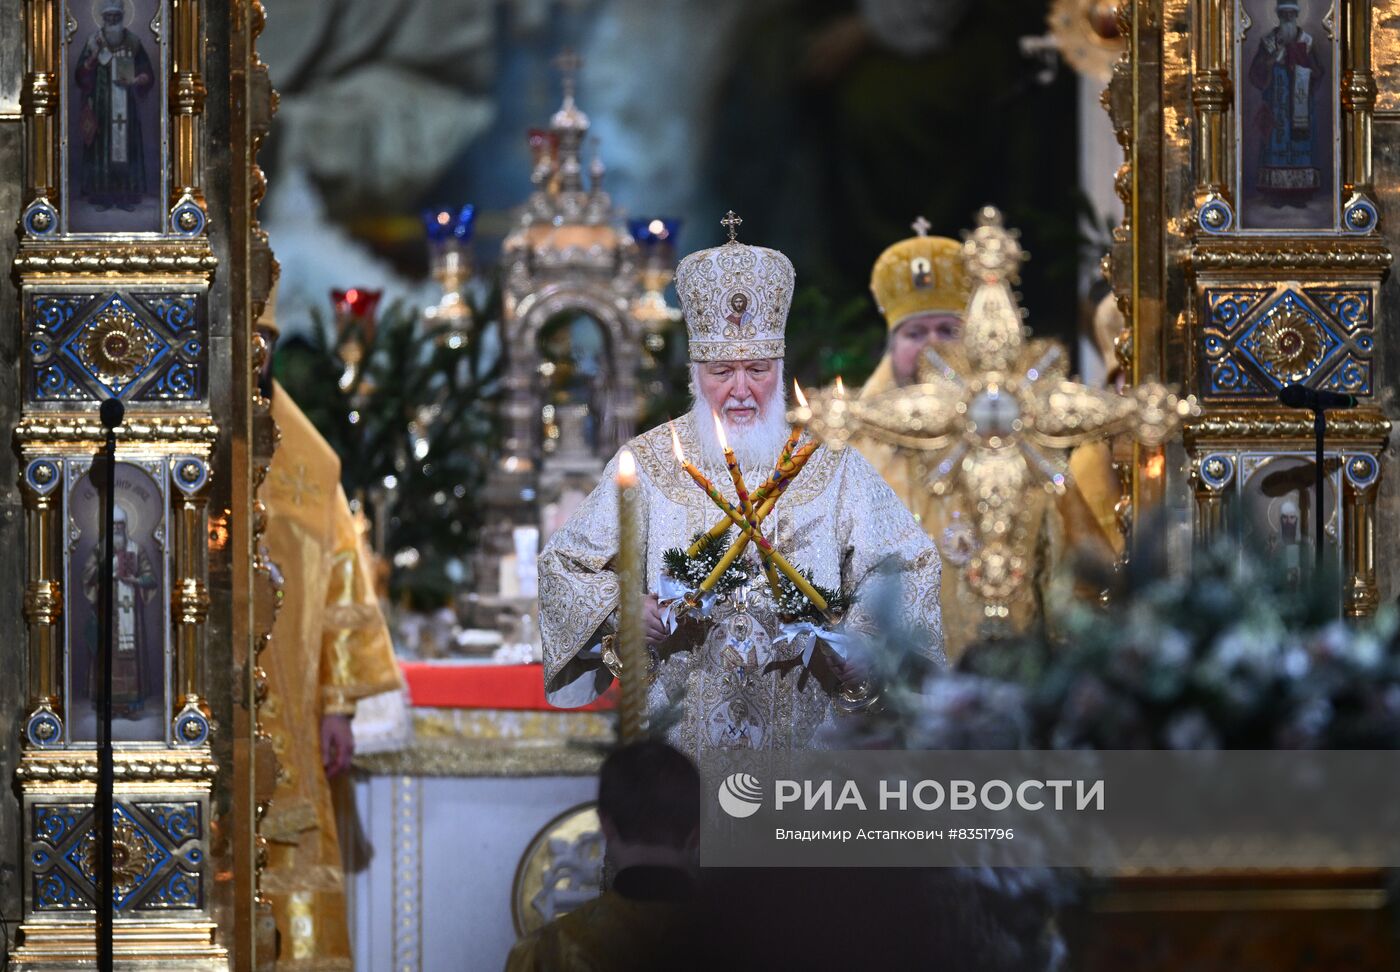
[921,226]
[731,222]
[567,63]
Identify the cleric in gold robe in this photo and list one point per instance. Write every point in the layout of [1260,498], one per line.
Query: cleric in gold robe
[921,287]
[740,682]
[330,646]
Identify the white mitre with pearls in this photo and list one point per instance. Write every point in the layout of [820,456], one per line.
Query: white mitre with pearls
[735,299]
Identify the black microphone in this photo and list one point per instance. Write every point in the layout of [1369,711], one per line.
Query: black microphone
[1317,399]
[112,412]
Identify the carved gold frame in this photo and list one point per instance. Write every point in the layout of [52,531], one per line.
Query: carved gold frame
[180,772]
[41,100]
[1171,101]
[215,446]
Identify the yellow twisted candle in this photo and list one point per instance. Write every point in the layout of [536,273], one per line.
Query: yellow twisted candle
[631,637]
[781,477]
[744,525]
[766,504]
[737,547]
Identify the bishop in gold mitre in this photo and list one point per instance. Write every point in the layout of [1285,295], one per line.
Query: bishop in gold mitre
[330,646]
[738,682]
[921,286]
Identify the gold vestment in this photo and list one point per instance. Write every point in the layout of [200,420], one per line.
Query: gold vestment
[739,689]
[1082,517]
[330,646]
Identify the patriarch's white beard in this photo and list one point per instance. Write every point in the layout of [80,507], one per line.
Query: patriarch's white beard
[756,444]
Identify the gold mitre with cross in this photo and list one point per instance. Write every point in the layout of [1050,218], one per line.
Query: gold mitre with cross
[993,417]
[921,275]
[735,299]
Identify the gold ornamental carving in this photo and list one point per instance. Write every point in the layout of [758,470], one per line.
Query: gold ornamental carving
[1088,35]
[55,767]
[1365,429]
[491,758]
[81,431]
[181,439]
[43,602]
[1335,255]
[1186,109]
[185,259]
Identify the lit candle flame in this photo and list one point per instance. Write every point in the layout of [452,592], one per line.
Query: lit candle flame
[626,468]
[676,443]
[840,388]
[719,432]
[797,393]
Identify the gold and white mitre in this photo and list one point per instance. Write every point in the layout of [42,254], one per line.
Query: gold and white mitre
[920,275]
[735,299]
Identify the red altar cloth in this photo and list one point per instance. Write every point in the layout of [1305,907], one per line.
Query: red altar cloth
[484,687]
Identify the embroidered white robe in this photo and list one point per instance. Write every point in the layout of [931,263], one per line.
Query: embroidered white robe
[736,689]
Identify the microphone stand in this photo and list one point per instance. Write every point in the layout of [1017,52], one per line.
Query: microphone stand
[1318,400]
[112,412]
[1319,434]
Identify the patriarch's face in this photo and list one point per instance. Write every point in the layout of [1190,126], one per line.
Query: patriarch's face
[738,391]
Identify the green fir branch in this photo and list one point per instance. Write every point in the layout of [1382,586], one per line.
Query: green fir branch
[793,605]
[439,469]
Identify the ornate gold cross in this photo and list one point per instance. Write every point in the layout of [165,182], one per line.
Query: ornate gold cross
[731,223]
[993,417]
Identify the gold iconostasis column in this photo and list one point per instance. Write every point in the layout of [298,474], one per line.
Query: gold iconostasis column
[1248,124]
[137,273]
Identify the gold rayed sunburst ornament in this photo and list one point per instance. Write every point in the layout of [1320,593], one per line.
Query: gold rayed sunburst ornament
[133,856]
[116,347]
[992,418]
[1290,345]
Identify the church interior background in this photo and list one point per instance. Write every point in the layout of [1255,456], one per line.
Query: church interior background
[471,214]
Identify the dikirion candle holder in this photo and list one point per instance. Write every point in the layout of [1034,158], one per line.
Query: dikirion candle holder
[449,234]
